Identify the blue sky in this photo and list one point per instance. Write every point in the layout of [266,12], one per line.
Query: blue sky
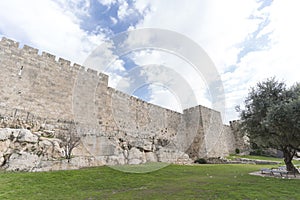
[105,17]
[248,40]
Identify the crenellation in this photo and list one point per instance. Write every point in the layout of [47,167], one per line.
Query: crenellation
[120,93]
[9,43]
[103,78]
[30,50]
[65,63]
[92,71]
[76,67]
[110,90]
[48,56]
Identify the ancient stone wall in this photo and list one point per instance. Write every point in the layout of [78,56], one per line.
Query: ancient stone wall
[116,128]
[241,140]
[38,83]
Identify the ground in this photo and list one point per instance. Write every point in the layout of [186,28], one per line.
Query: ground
[171,182]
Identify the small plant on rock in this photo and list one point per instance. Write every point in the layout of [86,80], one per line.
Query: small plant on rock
[69,140]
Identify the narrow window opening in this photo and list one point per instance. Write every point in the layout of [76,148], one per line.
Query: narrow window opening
[20,72]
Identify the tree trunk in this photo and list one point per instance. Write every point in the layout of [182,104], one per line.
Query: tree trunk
[288,157]
[68,154]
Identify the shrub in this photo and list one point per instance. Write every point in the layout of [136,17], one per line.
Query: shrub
[237,151]
[200,161]
[256,152]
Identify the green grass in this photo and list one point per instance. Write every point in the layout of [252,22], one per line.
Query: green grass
[233,156]
[171,182]
[255,157]
[142,168]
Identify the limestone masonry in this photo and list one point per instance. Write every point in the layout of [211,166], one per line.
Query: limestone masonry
[40,96]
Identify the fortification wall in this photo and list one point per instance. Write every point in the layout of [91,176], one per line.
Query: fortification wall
[38,83]
[116,128]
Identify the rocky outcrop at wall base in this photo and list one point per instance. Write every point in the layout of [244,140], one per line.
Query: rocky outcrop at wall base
[22,150]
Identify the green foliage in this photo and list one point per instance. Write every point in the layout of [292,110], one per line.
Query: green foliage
[260,99]
[237,151]
[257,152]
[200,161]
[284,120]
[271,117]
[172,182]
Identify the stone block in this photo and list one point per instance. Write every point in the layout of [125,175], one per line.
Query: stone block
[26,136]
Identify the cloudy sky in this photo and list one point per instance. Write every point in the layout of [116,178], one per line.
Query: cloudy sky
[247,40]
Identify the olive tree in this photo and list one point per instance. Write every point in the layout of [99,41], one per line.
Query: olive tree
[271,118]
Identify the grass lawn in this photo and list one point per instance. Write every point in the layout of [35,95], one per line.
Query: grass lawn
[260,158]
[255,157]
[170,182]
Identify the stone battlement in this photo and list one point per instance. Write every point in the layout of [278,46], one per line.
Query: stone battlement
[13,47]
[41,91]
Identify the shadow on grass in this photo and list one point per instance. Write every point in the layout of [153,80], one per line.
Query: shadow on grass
[141,168]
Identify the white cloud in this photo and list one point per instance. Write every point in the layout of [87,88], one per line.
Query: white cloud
[219,26]
[141,5]
[107,2]
[118,65]
[281,60]
[123,10]
[177,73]
[215,25]
[77,7]
[120,82]
[114,20]
[165,97]
[212,24]
[45,25]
